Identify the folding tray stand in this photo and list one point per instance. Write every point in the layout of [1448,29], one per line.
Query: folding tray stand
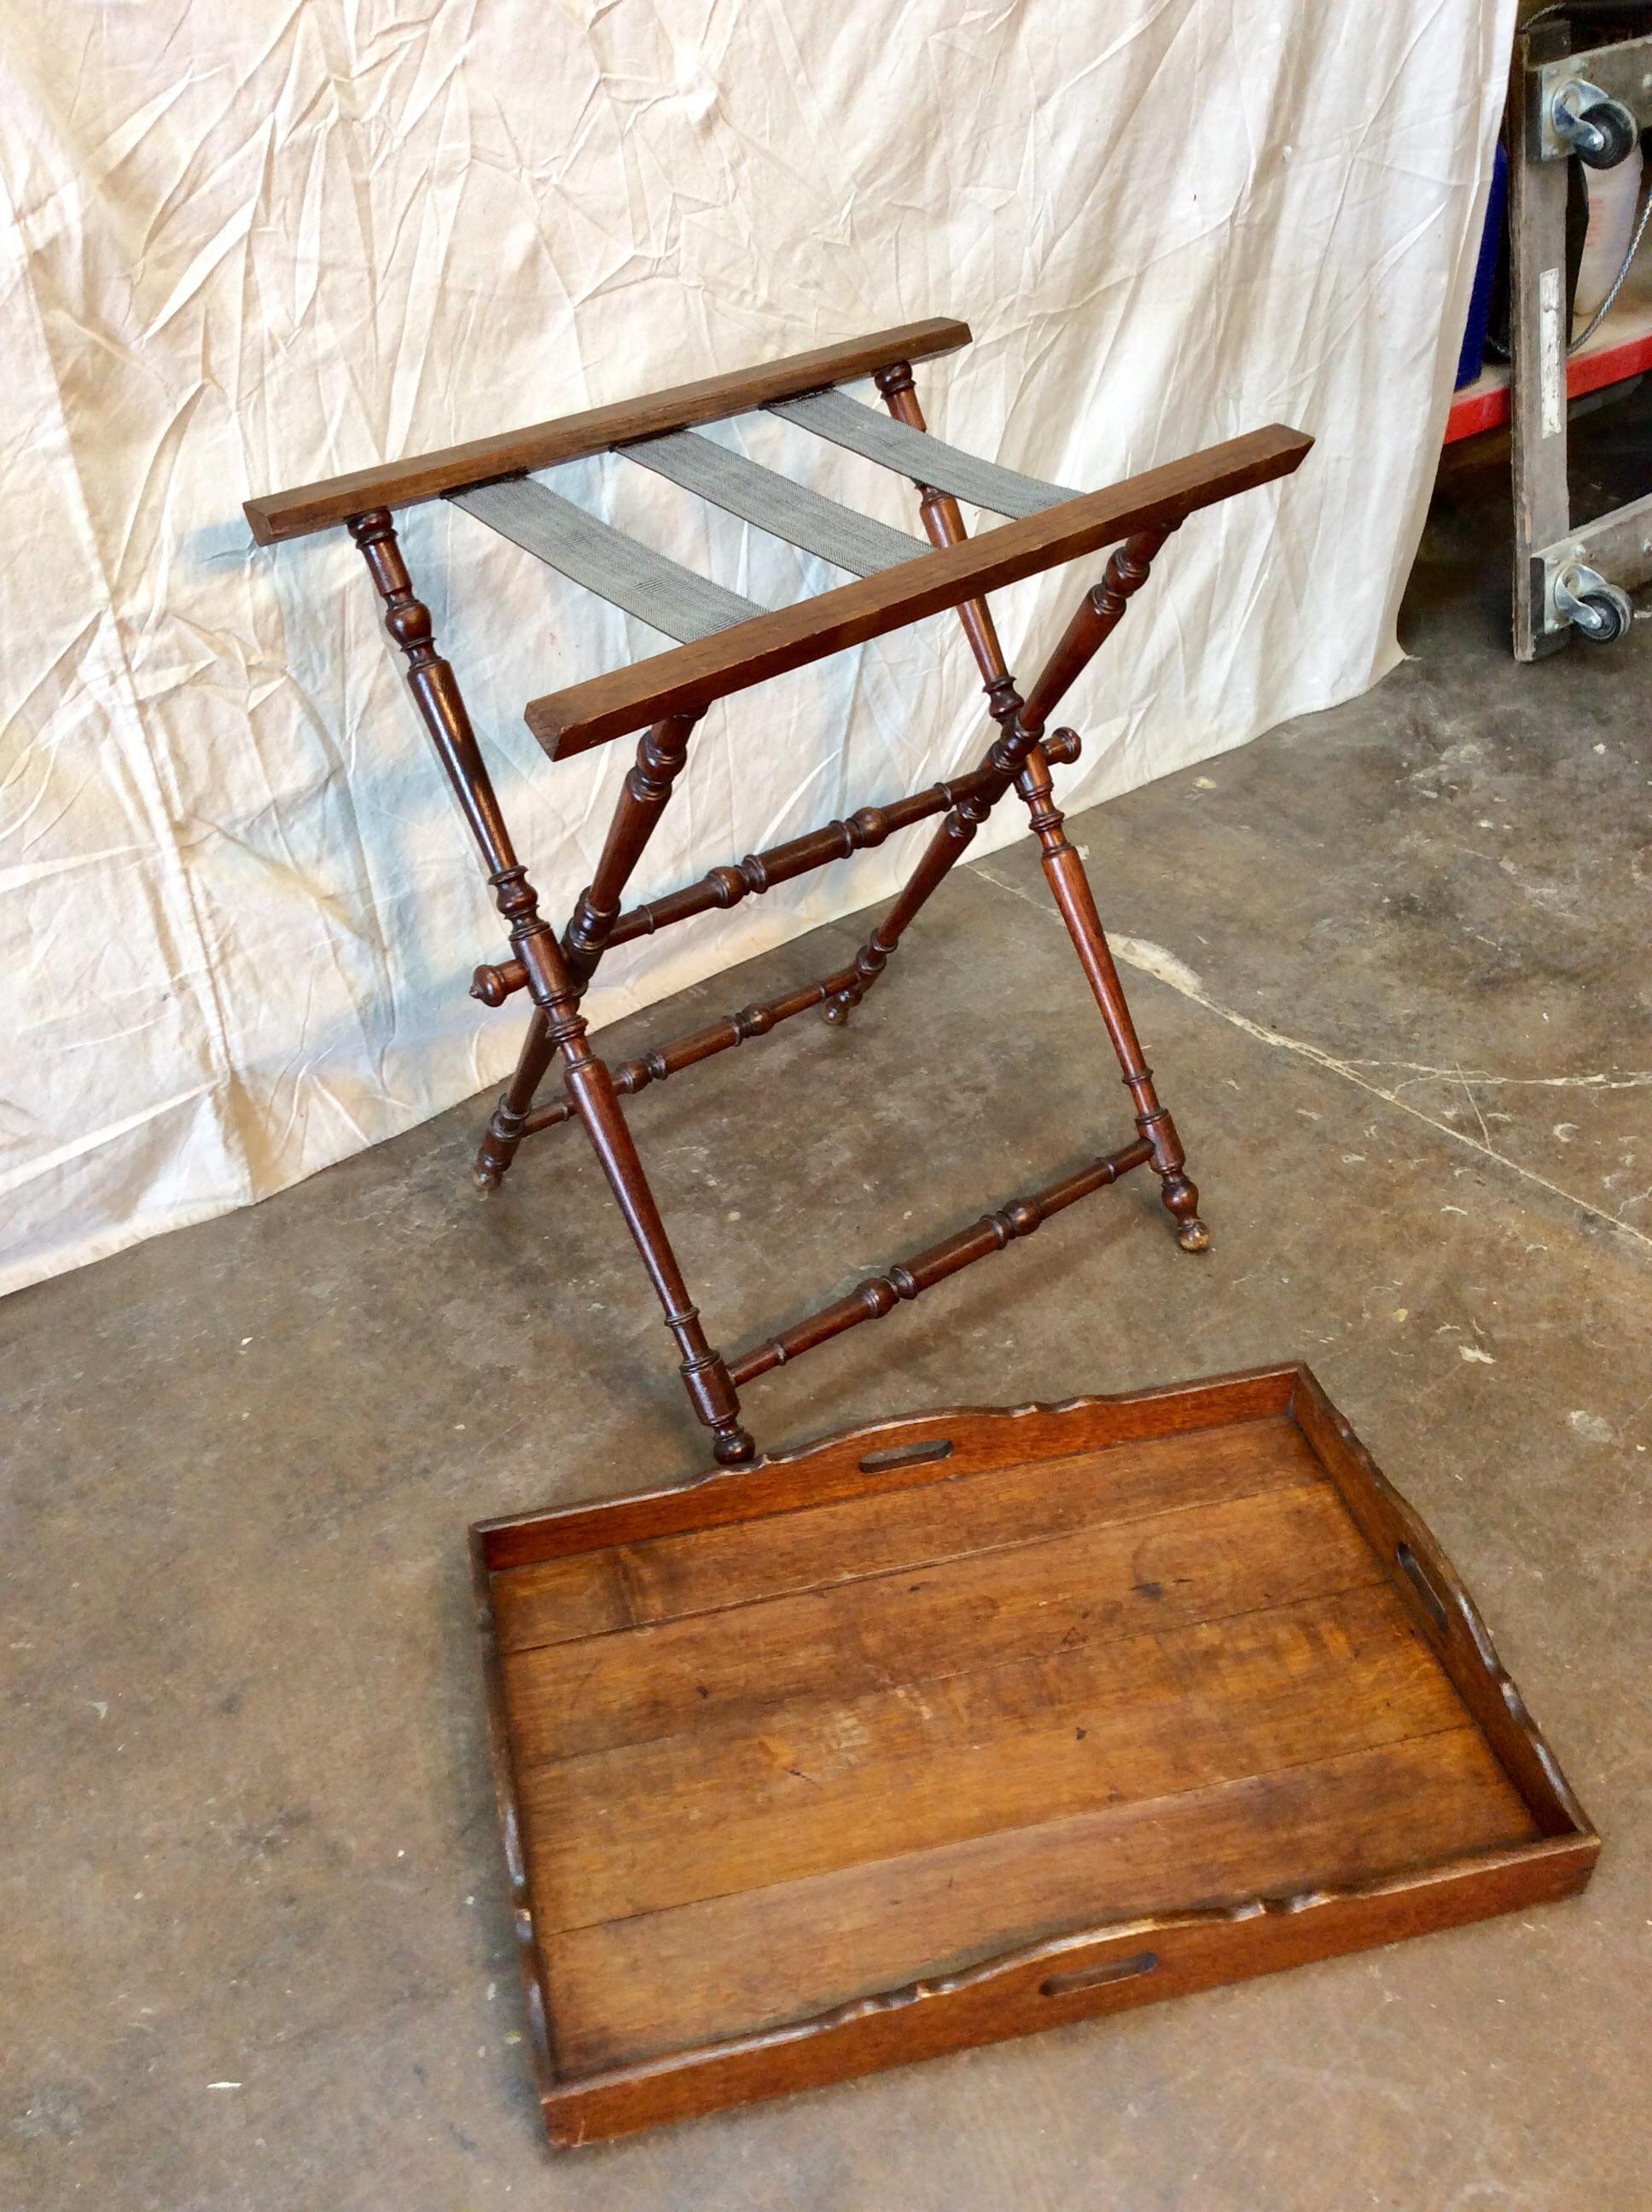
[730,645]
[960,1726]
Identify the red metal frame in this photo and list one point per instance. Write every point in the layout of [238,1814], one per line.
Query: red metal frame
[1484,404]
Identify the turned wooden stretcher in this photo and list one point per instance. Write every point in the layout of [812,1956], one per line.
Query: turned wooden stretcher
[726,644]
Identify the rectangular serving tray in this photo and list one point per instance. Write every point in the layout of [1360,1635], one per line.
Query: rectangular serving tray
[981,1722]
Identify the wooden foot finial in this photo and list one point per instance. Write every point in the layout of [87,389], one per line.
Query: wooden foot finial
[1180,1196]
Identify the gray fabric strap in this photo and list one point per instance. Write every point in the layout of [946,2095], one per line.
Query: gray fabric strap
[776,504]
[915,453]
[658,592]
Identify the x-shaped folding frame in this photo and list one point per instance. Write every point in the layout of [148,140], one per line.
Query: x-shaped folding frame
[726,644]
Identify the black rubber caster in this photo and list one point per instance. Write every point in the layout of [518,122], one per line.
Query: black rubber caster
[1606,135]
[1606,616]
[1595,609]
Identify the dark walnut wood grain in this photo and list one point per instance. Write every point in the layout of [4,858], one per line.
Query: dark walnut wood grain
[962,1726]
[283,514]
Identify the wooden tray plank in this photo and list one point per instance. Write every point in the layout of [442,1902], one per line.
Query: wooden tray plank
[717,1674]
[1444,1611]
[880,1457]
[616,1832]
[950,1516]
[632,1989]
[1081,1977]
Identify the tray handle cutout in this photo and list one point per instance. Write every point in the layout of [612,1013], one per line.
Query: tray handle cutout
[906,1455]
[1413,1567]
[1092,1978]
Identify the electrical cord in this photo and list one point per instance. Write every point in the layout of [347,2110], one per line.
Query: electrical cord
[1605,307]
[1500,352]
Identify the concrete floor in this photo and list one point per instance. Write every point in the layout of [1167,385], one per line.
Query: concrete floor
[1390,963]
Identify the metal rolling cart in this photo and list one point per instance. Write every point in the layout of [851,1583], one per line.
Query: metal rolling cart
[1570,577]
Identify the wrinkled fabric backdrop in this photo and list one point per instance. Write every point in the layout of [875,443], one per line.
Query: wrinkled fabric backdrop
[246,248]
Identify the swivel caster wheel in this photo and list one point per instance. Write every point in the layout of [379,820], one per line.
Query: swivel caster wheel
[1601,131]
[1598,610]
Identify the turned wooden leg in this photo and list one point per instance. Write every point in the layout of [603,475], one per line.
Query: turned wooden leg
[945,848]
[704,1369]
[662,753]
[660,756]
[1021,723]
[943,851]
[508,1124]
[1065,871]
[943,525]
[590,1085]
[1099,614]
[556,994]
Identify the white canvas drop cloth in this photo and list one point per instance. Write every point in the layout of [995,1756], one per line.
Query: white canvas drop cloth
[247,247]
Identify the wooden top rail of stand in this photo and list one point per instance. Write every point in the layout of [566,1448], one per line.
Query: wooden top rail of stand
[284,515]
[687,680]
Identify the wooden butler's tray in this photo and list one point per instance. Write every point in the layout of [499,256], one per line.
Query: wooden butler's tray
[965,1725]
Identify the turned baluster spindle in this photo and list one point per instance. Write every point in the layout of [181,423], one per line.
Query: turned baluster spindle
[1100,612]
[679,1053]
[725,887]
[1020,725]
[434,686]
[879,1295]
[1069,885]
[661,755]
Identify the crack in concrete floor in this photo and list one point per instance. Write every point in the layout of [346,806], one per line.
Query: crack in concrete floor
[1167,968]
